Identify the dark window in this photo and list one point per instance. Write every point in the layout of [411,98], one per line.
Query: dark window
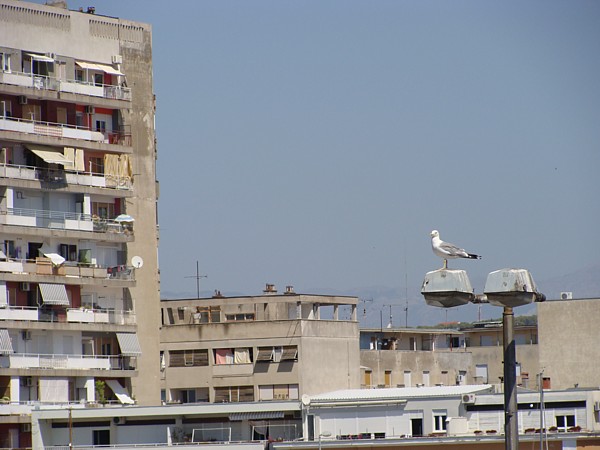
[101,437]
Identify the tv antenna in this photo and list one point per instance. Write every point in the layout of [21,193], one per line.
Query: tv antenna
[197,277]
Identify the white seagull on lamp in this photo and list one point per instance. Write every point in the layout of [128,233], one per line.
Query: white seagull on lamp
[446,251]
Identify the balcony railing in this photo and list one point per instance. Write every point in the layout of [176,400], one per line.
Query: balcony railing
[44,266]
[72,86]
[42,218]
[70,362]
[73,315]
[62,130]
[78,178]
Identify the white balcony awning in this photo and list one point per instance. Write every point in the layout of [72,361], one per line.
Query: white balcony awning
[101,67]
[5,343]
[40,57]
[54,294]
[56,259]
[129,343]
[120,392]
[50,155]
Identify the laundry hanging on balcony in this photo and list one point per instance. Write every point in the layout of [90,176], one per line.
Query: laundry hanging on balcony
[54,294]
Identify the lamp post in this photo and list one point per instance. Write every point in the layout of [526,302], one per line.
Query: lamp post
[507,288]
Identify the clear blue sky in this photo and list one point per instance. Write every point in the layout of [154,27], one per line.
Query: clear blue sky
[317,143]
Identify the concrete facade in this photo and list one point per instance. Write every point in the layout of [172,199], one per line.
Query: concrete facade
[568,334]
[78,150]
[429,357]
[261,348]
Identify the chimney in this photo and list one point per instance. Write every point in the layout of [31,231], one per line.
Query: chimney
[289,290]
[270,289]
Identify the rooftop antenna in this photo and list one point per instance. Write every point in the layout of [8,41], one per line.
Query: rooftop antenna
[197,277]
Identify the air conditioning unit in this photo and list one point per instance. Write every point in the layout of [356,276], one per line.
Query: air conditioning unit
[25,287]
[26,335]
[597,406]
[566,296]
[26,427]
[118,420]
[468,399]
[22,100]
[51,55]
[117,59]
[90,109]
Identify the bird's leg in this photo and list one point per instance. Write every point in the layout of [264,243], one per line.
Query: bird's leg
[445,264]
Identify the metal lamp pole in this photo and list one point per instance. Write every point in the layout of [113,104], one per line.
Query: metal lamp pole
[511,424]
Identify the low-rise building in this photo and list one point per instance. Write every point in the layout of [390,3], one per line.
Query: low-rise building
[259,348]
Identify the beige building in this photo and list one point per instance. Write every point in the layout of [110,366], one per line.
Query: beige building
[408,357]
[254,349]
[79,292]
[569,350]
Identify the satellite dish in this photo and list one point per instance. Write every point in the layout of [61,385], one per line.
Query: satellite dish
[137,262]
[305,400]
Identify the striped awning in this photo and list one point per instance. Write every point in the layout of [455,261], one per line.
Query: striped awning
[262,415]
[129,343]
[54,294]
[5,343]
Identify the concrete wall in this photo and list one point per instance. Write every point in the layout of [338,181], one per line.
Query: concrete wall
[569,350]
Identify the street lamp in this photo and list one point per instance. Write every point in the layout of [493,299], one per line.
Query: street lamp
[507,288]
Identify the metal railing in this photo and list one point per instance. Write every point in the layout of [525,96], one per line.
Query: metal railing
[63,130]
[46,82]
[62,176]
[43,218]
[73,315]
[76,362]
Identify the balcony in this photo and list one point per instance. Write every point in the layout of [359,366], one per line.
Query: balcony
[73,315]
[69,269]
[40,82]
[69,362]
[41,218]
[65,177]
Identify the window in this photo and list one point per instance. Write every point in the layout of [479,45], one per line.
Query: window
[234,394]
[407,378]
[209,314]
[98,79]
[278,392]
[188,358]
[79,75]
[426,377]
[481,371]
[439,420]
[101,437]
[368,380]
[563,423]
[241,317]
[188,396]
[233,356]
[5,62]
[277,354]
[388,378]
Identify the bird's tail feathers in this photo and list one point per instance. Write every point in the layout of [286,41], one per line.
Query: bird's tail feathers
[472,256]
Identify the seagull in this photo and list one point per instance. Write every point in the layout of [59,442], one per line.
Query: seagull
[446,250]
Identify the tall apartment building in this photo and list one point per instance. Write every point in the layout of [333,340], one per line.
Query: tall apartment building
[258,349]
[79,287]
